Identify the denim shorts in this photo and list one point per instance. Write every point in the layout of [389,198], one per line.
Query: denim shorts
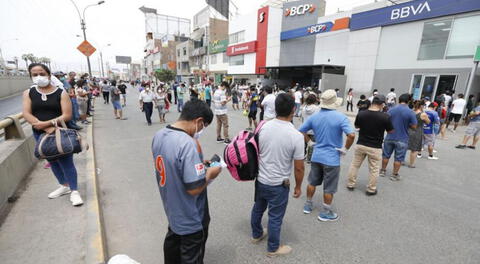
[328,175]
[116,105]
[399,147]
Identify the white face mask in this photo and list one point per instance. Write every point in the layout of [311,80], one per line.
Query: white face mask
[41,81]
[197,133]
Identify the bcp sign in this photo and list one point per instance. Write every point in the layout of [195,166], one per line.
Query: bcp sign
[300,10]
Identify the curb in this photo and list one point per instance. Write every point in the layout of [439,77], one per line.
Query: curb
[95,235]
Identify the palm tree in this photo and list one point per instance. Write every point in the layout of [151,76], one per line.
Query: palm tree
[25,58]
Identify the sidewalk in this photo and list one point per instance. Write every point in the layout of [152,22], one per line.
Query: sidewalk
[42,230]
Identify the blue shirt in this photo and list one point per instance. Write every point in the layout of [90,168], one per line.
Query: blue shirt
[328,128]
[476,118]
[434,119]
[254,100]
[208,93]
[402,118]
[178,168]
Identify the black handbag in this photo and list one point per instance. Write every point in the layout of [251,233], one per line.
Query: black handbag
[63,141]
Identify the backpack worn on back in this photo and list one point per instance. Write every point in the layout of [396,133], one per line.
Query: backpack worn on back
[241,156]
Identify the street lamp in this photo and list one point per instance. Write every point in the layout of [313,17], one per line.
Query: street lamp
[82,24]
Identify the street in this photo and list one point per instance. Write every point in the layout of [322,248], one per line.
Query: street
[11,105]
[416,220]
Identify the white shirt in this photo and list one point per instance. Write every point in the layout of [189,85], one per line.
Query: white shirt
[281,144]
[298,97]
[268,104]
[146,97]
[447,98]
[458,105]
[218,97]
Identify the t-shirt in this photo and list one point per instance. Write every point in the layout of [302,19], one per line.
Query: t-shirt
[146,97]
[180,92]
[208,93]
[328,128]
[447,99]
[178,168]
[434,119]
[253,100]
[298,97]
[113,93]
[268,104]
[106,88]
[372,125]
[280,144]
[458,105]
[391,96]
[363,105]
[476,118]
[122,88]
[218,97]
[402,118]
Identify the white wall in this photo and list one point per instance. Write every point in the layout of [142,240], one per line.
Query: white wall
[248,66]
[361,58]
[273,37]
[249,24]
[219,66]
[399,46]
[331,47]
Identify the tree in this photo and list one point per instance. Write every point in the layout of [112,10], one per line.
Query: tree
[165,75]
[25,58]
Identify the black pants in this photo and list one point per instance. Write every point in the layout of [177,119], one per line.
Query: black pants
[176,95]
[106,96]
[209,102]
[351,106]
[148,109]
[186,249]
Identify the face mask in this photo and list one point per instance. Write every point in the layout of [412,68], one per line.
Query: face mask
[62,79]
[41,81]
[197,133]
[148,89]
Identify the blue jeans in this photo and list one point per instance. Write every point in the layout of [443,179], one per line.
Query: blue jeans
[276,199]
[297,108]
[180,104]
[63,168]
[400,148]
[75,114]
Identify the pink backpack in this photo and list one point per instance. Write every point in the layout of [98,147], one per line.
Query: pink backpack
[241,156]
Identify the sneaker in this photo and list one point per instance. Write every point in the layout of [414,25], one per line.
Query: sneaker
[434,151]
[369,193]
[328,216]
[471,147]
[76,199]
[47,165]
[220,140]
[62,190]
[419,156]
[308,207]
[382,173]
[395,177]
[461,146]
[257,240]
[432,158]
[282,250]
[350,188]
[227,141]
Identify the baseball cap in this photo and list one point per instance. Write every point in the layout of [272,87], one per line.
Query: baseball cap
[379,99]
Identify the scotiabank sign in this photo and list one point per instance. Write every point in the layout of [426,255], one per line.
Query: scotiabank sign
[299,10]
[247,47]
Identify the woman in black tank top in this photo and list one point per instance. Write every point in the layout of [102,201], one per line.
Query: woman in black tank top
[44,105]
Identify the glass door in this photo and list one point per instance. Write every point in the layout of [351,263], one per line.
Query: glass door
[415,87]
[428,87]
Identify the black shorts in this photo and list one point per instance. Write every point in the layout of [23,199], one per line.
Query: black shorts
[455,117]
[252,115]
[185,248]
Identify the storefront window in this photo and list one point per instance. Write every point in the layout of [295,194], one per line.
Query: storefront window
[434,40]
[236,60]
[464,38]
[236,37]
[213,59]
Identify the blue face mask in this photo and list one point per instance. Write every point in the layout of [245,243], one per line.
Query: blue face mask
[62,79]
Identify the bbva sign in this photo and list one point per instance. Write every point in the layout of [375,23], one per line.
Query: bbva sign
[410,10]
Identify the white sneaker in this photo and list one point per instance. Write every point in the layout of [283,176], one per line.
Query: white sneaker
[76,199]
[434,151]
[62,190]
[432,158]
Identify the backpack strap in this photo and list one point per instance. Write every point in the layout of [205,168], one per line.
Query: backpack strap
[259,126]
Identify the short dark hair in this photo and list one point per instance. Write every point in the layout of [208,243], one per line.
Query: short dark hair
[194,109]
[182,84]
[252,88]
[311,99]
[114,83]
[404,98]
[268,89]
[284,104]
[460,96]
[32,65]
[392,89]
[363,97]
[225,84]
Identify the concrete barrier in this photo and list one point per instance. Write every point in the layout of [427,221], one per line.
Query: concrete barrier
[16,162]
[11,85]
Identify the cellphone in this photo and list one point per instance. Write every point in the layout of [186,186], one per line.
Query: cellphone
[215,158]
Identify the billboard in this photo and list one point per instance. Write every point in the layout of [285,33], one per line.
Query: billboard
[222,6]
[218,46]
[123,59]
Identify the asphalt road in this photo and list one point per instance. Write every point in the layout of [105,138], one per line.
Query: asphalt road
[11,105]
[431,216]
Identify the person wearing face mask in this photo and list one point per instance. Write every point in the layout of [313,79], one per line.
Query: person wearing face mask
[44,106]
[161,101]
[146,103]
[182,177]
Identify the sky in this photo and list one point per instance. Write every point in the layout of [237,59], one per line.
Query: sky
[49,28]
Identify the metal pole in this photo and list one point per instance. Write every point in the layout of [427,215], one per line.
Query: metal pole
[85,38]
[101,62]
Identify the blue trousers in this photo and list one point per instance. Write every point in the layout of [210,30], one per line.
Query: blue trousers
[180,104]
[276,199]
[63,168]
[75,114]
